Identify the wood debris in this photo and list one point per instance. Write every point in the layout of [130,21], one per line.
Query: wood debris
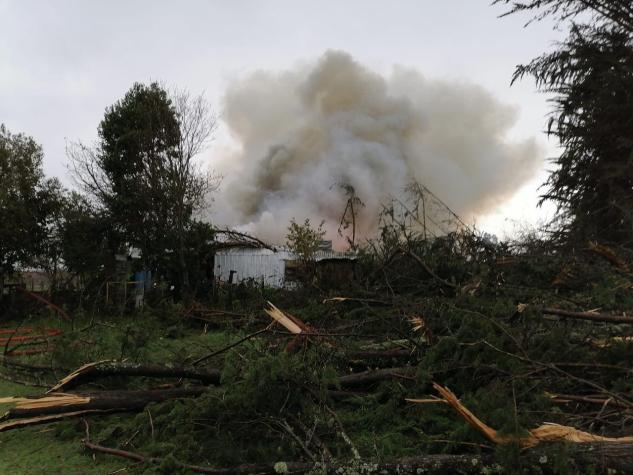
[290,323]
[547,432]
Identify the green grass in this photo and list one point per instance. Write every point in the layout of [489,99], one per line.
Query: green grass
[57,448]
[43,449]
[38,450]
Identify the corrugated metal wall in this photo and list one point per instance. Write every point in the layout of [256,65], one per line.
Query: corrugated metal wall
[257,264]
[262,264]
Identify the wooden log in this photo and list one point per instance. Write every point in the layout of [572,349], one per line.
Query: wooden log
[591,316]
[600,401]
[428,464]
[376,354]
[607,457]
[61,403]
[48,303]
[101,369]
[369,302]
[604,458]
[374,376]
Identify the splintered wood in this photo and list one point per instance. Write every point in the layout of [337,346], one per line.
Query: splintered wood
[287,321]
[547,432]
[54,400]
[79,371]
[24,411]
[608,254]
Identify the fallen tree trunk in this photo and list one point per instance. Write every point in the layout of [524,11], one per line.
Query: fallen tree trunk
[375,376]
[105,368]
[375,354]
[600,401]
[33,421]
[61,403]
[48,303]
[429,464]
[591,316]
[603,457]
[370,302]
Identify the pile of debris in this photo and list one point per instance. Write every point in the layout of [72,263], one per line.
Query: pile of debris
[535,343]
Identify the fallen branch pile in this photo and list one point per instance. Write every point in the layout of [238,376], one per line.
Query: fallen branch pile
[319,380]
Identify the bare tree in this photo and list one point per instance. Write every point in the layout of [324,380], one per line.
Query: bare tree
[352,208]
[191,185]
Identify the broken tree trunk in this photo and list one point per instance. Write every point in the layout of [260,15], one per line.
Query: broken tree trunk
[608,254]
[105,368]
[289,322]
[595,317]
[67,404]
[548,432]
[609,454]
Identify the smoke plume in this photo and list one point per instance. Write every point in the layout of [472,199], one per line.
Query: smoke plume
[303,133]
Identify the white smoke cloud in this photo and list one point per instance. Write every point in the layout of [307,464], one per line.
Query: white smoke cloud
[304,132]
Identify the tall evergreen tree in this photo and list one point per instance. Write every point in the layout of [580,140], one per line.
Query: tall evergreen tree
[590,75]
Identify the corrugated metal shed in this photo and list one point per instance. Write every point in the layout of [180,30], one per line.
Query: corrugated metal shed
[248,263]
[262,265]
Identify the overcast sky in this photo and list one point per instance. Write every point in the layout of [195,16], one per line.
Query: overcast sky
[63,62]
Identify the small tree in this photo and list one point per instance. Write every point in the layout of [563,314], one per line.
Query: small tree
[350,214]
[304,241]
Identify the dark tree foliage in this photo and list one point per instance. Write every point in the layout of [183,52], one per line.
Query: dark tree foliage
[85,240]
[28,202]
[198,241]
[590,75]
[615,12]
[138,134]
[143,178]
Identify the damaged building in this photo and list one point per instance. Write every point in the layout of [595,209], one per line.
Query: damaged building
[278,267]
